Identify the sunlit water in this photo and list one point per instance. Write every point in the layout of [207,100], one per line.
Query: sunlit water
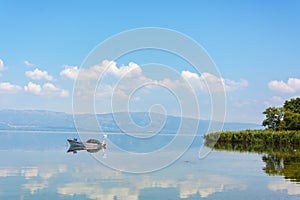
[36,166]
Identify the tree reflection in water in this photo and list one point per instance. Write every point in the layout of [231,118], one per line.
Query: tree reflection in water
[287,165]
[279,160]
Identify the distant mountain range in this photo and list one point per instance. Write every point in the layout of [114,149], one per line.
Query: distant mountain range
[41,120]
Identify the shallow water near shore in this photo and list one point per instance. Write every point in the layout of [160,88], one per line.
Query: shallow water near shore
[35,165]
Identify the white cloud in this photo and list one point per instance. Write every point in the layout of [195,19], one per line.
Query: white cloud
[8,87]
[33,88]
[110,68]
[207,81]
[194,80]
[106,67]
[2,67]
[114,81]
[27,63]
[132,73]
[46,89]
[49,88]
[38,75]
[118,83]
[70,72]
[131,70]
[292,85]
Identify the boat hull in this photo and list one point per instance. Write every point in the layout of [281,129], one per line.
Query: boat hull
[92,146]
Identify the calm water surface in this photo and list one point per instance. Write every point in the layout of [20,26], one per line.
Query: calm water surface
[36,166]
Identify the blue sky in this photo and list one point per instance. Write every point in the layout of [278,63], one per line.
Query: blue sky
[254,41]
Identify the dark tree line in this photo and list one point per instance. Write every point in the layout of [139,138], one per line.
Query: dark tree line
[283,118]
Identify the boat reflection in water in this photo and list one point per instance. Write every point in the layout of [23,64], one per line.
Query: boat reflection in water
[91,145]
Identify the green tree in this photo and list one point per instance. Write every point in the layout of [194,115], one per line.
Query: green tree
[292,105]
[274,118]
[285,118]
[291,119]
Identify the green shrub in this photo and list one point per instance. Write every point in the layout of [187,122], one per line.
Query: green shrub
[253,140]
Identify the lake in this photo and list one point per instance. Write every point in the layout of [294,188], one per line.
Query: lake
[36,165]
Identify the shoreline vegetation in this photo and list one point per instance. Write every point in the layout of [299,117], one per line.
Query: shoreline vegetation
[257,141]
[282,133]
[279,142]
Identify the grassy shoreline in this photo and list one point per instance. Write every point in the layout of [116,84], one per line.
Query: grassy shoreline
[254,140]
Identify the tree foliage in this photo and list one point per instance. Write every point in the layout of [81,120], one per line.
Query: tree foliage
[291,121]
[274,117]
[292,105]
[283,118]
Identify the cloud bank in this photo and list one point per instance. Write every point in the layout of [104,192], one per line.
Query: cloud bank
[132,76]
[6,87]
[45,89]
[291,86]
[38,75]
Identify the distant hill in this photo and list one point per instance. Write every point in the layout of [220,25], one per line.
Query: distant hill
[35,120]
[41,120]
